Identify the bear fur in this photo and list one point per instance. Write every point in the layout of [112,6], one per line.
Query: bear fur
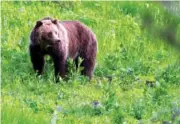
[62,40]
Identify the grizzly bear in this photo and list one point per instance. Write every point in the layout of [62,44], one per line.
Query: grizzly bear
[62,40]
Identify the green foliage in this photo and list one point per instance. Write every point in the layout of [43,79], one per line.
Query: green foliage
[138,109]
[118,117]
[136,77]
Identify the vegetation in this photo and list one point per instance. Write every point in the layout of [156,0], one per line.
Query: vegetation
[137,76]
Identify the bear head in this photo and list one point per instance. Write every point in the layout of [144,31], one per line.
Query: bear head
[47,32]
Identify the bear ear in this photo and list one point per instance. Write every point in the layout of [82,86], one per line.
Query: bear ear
[55,21]
[38,24]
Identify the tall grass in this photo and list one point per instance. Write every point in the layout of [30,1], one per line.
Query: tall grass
[136,77]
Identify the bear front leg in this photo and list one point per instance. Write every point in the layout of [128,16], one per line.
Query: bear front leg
[59,67]
[37,58]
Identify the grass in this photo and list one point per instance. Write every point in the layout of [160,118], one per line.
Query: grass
[136,77]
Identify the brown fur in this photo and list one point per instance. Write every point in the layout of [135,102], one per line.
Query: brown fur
[60,40]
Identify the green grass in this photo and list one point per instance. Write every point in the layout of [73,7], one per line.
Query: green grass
[137,76]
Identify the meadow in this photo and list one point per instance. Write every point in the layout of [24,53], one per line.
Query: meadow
[137,75]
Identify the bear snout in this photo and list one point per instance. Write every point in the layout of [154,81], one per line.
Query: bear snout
[58,41]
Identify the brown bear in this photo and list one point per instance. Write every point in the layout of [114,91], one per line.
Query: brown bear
[62,40]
